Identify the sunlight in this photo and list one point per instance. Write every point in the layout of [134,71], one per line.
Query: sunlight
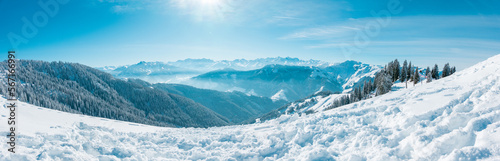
[210,2]
[205,10]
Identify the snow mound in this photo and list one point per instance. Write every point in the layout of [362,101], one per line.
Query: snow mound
[454,118]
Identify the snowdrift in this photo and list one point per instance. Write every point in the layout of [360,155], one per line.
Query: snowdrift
[454,118]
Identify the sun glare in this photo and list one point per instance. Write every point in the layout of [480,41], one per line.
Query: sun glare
[206,10]
[210,2]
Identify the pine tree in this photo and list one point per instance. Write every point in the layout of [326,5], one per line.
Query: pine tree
[453,70]
[366,88]
[446,70]
[427,71]
[383,82]
[402,78]
[396,73]
[416,77]
[429,77]
[409,72]
[435,72]
[390,69]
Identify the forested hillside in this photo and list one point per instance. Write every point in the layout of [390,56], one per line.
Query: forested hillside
[81,89]
[236,106]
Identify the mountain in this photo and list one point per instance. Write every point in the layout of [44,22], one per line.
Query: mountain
[178,71]
[287,82]
[277,78]
[151,72]
[453,118]
[236,106]
[81,89]
[243,64]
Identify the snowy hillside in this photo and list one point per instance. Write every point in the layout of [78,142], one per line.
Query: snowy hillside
[454,118]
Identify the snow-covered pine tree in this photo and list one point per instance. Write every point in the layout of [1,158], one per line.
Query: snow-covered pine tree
[390,69]
[429,77]
[383,82]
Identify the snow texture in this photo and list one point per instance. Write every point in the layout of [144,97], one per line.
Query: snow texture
[454,118]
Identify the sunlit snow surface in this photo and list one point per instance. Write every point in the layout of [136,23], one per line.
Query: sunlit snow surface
[455,118]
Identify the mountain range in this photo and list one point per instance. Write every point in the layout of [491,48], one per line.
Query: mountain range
[277,78]
[235,96]
[206,65]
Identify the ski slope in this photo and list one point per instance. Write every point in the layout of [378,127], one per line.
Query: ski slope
[454,118]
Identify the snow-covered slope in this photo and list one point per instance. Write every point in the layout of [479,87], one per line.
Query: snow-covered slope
[454,118]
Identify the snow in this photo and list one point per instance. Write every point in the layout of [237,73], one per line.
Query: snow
[314,104]
[320,90]
[454,118]
[364,72]
[280,95]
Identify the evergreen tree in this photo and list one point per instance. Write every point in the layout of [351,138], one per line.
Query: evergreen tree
[390,69]
[402,78]
[409,72]
[416,77]
[453,70]
[429,77]
[396,73]
[446,70]
[427,71]
[366,88]
[435,72]
[383,82]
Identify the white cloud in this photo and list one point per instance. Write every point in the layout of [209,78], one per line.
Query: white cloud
[125,8]
[400,29]
[323,32]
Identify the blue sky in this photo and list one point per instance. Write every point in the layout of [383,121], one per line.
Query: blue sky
[119,32]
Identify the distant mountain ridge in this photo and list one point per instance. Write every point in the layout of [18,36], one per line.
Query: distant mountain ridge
[277,78]
[178,71]
[290,82]
[206,65]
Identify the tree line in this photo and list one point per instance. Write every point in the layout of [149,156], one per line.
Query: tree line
[390,74]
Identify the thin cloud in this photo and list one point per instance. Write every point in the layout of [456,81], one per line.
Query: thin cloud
[322,32]
[400,29]
[125,8]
